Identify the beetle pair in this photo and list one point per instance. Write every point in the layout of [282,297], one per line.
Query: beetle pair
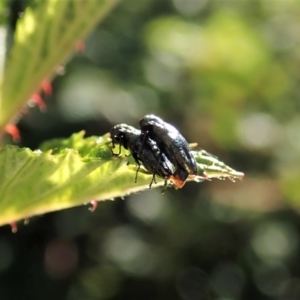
[159,147]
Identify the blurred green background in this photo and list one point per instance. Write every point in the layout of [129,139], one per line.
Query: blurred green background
[226,74]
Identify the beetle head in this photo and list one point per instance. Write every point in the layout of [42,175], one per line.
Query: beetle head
[122,134]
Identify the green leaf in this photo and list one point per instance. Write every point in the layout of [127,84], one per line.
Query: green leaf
[44,37]
[75,171]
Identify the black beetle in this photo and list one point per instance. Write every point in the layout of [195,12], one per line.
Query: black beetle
[146,153]
[173,144]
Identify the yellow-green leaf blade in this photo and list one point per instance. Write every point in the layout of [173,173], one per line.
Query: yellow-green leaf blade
[69,172]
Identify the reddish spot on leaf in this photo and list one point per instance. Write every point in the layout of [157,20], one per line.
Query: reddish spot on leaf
[14,227]
[39,101]
[23,111]
[94,204]
[80,46]
[47,87]
[13,130]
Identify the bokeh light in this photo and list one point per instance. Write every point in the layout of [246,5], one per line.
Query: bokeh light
[61,258]
[275,241]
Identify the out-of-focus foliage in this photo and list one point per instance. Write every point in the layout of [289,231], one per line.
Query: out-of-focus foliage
[3,11]
[226,74]
[44,37]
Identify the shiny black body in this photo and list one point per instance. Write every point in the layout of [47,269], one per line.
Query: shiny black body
[146,153]
[172,143]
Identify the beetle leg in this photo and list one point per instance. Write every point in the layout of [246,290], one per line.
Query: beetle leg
[139,166]
[152,180]
[137,171]
[166,182]
[165,186]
